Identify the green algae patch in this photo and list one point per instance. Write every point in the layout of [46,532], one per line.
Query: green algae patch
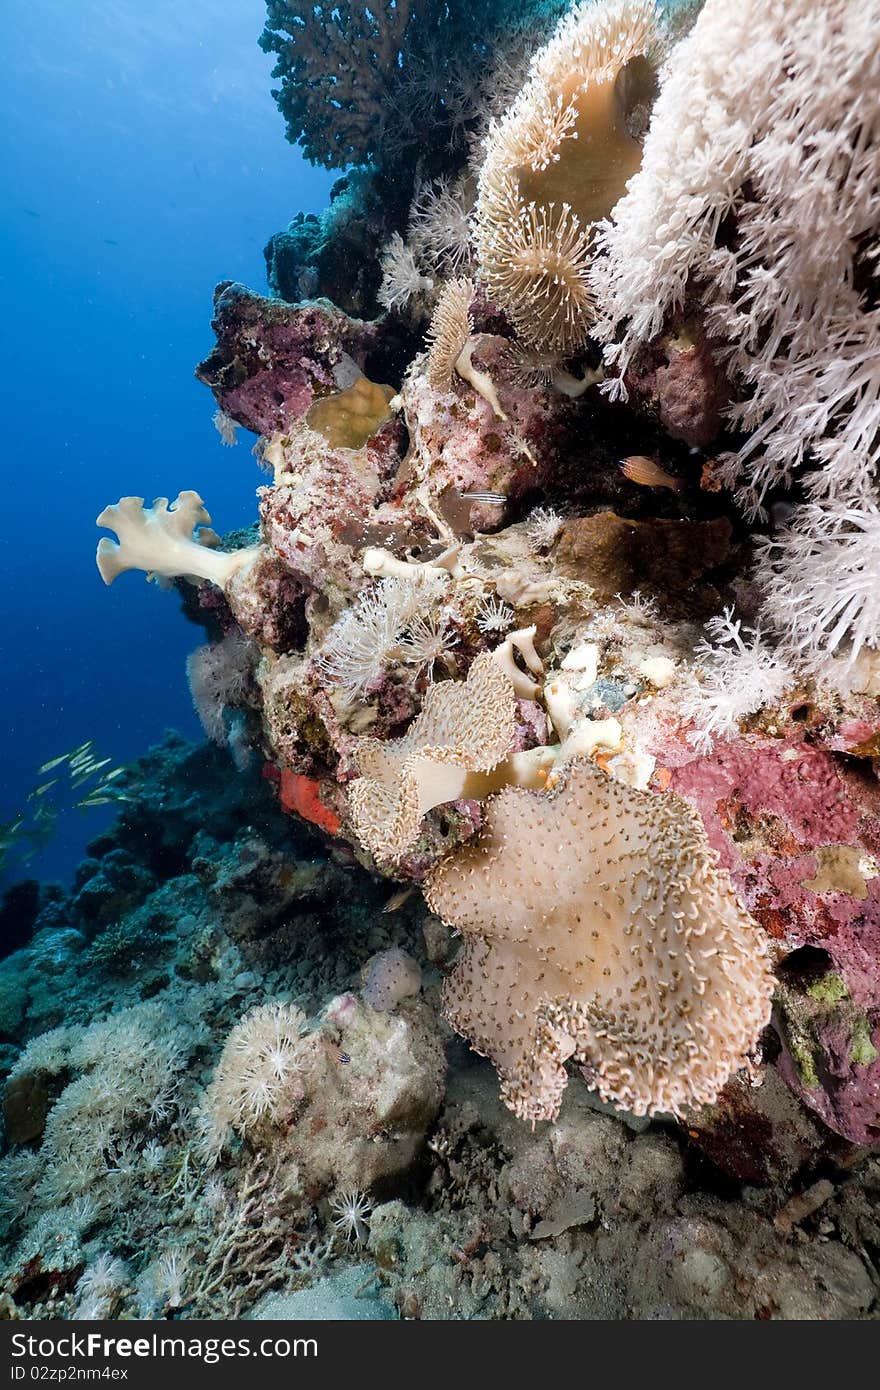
[828,990]
[862,1050]
[802,1056]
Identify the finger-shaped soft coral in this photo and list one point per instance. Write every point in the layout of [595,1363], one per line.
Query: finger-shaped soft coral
[168,541]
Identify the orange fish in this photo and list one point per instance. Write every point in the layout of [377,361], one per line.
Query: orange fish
[644,471]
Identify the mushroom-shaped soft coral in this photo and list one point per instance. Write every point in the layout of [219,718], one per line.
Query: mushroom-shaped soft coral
[465,729]
[600,927]
[163,540]
[558,161]
[450,336]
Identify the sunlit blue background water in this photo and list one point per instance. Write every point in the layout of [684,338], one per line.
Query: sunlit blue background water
[142,159]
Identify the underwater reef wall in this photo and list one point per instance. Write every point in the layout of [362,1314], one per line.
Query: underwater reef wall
[502,563]
[521,926]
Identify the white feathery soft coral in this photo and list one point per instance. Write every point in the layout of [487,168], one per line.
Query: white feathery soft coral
[160,540]
[768,120]
[226,427]
[426,641]
[821,576]
[741,674]
[101,1287]
[402,279]
[492,616]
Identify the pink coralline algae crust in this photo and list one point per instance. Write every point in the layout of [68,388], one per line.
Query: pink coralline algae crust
[331,508]
[273,359]
[799,829]
[471,449]
[803,786]
[844,1092]
[860,737]
[532,726]
[681,382]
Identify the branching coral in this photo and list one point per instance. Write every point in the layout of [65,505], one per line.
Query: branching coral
[634,958]
[360,81]
[248,1247]
[558,161]
[338,65]
[160,540]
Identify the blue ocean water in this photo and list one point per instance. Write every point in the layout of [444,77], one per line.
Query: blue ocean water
[142,159]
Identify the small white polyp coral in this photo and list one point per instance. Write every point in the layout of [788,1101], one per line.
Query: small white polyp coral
[399,621]
[599,927]
[160,540]
[402,279]
[255,1077]
[439,225]
[351,1214]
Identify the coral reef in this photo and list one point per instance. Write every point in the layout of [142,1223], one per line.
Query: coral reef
[543,701]
[353,1176]
[360,84]
[273,360]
